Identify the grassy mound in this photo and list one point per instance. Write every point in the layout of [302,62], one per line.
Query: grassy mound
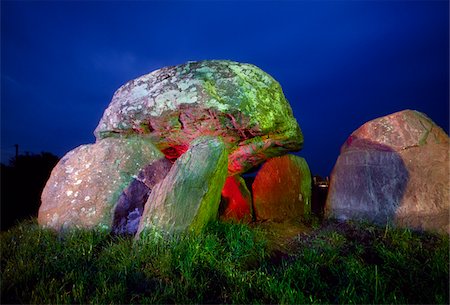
[228,263]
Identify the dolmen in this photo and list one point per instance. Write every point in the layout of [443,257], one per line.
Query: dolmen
[170,149]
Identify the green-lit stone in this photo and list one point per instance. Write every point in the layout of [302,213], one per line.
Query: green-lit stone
[175,105]
[188,198]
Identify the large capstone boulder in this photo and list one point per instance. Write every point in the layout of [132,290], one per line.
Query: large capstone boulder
[394,169]
[84,188]
[236,202]
[189,196]
[282,189]
[173,106]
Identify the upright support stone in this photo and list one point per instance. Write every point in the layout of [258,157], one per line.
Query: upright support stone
[188,198]
[84,187]
[282,189]
[236,203]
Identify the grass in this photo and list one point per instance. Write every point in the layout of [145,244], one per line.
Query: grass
[227,263]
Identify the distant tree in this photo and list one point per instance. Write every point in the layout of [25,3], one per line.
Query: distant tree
[22,182]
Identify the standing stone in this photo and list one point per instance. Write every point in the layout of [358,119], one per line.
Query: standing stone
[236,202]
[175,105]
[394,169]
[189,196]
[282,189]
[84,187]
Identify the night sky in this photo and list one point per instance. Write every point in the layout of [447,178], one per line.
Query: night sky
[339,63]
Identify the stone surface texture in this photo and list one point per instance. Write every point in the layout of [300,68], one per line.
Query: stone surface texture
[282,189]
[394,169]
[236,202]
[189,196]
[173,106]
[130,206]
[84,187]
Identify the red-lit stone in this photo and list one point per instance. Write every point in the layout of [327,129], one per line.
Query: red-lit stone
[282,189]
[175,151]
[236,203]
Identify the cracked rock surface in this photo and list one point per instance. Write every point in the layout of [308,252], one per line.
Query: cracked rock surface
[394,169]
[173,106]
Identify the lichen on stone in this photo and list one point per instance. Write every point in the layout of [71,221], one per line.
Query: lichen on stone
[175,105]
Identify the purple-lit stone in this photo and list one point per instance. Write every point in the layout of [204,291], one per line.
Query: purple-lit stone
[395,170]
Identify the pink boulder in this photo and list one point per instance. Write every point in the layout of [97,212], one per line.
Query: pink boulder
[394,169]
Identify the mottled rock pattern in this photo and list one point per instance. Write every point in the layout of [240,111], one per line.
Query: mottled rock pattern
[236,202]
[130,206]
[282,189]
[394,169]
[189,196]
[84,187]
[175,105]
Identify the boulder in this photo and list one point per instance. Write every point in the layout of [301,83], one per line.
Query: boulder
[173,106]
[393,169]
[282,189]
[189,196]
[236,202]
[130,206]
[84,187]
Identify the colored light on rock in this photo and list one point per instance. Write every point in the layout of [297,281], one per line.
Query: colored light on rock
[84,187]
[394,169]
[131,202]
[175,105]
[189,196]
[282,189]
[236,203]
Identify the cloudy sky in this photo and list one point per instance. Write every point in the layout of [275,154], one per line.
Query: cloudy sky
[340,63]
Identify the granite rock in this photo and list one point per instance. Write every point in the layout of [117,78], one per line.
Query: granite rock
[130,206]
[394,169]
[175,105]
[282,189]
[84,187]
[189,196]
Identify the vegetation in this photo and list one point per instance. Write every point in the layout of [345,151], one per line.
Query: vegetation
[227,263]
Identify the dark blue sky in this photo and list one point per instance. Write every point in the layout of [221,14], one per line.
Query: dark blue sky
[340,63]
